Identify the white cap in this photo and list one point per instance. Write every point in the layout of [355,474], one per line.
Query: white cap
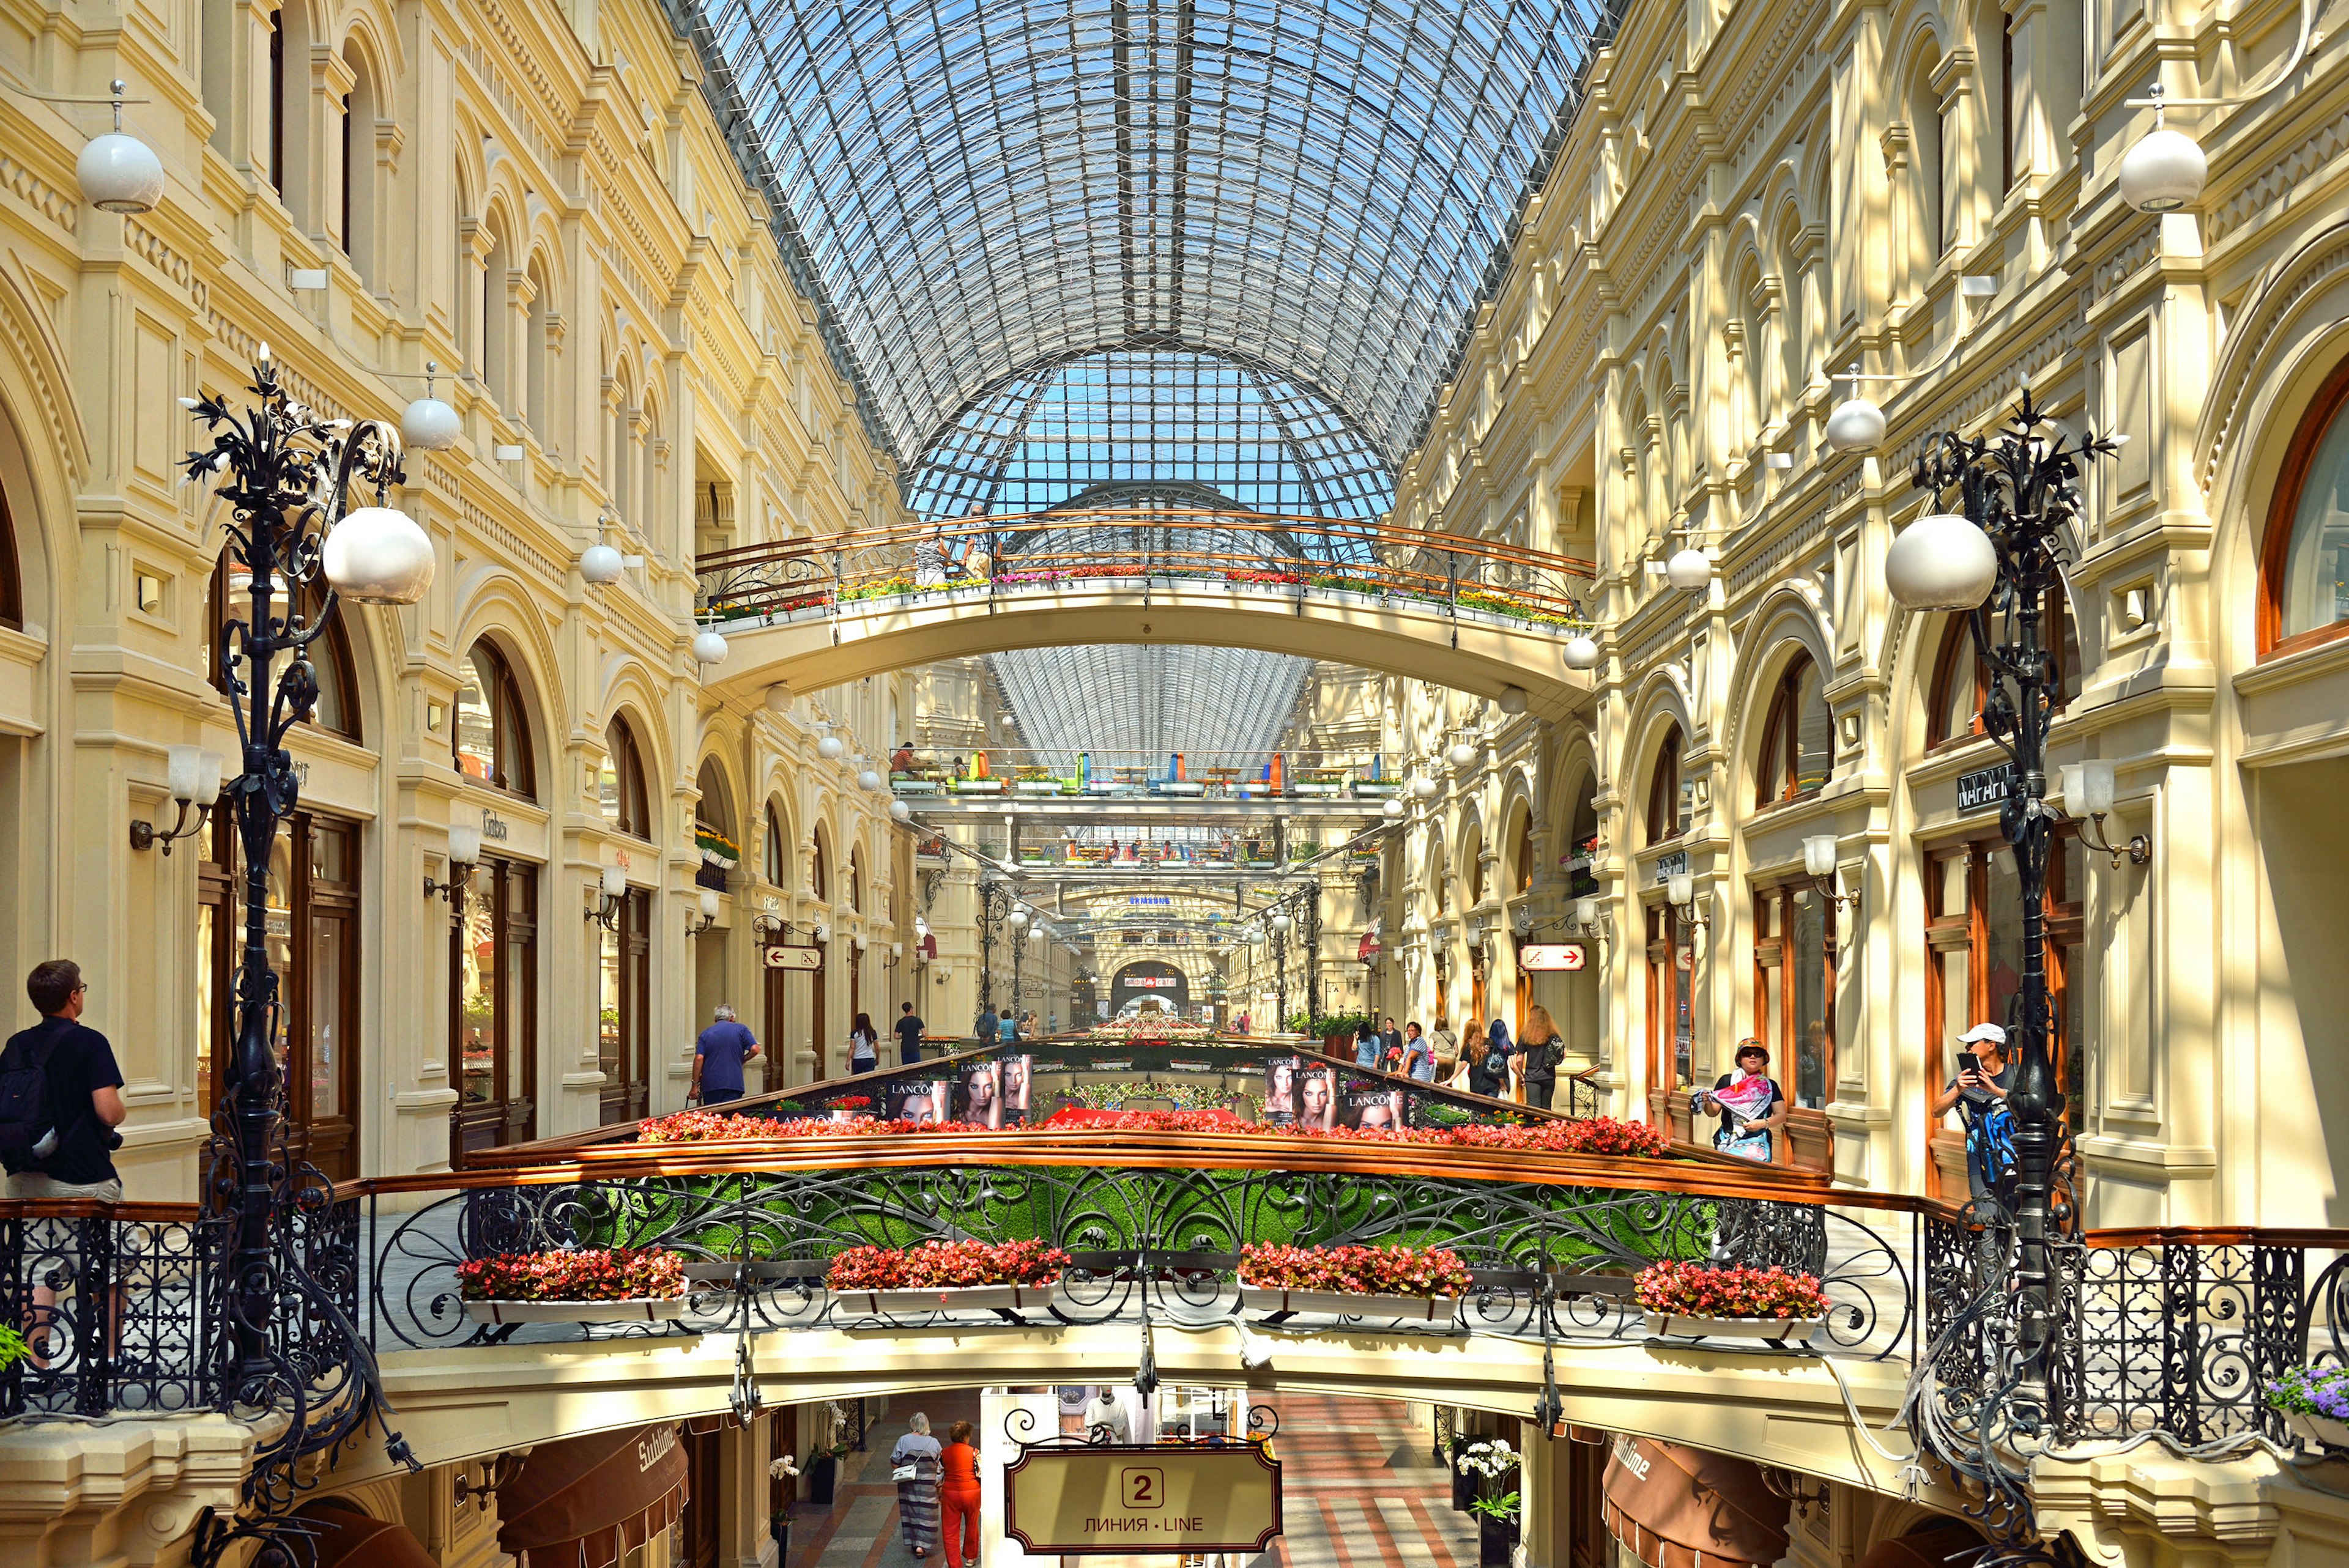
[1990,1032]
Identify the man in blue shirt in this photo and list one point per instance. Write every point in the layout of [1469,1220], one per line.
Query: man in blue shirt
[718,1059]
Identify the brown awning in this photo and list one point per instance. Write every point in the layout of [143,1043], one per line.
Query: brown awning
[343,1537]
[1927,1546]
[1675,1507]
[584,1501]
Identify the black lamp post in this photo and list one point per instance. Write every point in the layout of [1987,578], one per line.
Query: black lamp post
[300,546]
[994,903]
[1998,559]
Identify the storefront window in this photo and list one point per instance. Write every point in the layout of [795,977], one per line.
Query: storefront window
[1794,1003]
[493,970]
[621,783]
[1961,680]
[1670,799]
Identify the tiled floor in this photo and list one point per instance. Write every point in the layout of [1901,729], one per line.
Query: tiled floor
[1359,1490]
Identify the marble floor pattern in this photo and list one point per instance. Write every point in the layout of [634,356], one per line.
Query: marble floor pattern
[1359,1490]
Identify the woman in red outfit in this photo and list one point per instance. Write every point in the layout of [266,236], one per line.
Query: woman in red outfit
[958,1496]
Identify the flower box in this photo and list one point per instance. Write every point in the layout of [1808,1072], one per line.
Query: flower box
[2322,1431]
[1687,1325]
[1346,1304]
[643,1309]
[945,1298]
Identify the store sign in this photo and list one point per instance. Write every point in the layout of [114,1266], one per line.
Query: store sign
[1134,1500]
[1151,982]
[794,958]
[494,827]
[1987,788]
[1673,865]
[1545,957]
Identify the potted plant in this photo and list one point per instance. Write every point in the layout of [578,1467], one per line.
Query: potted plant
[945,1276]
[2314,1403]
[716,848]
[1478,1467]
[619,1285]
[822,1470]
[1464,1483]
[1726,1301]
[1496,1529]
[1417,1284]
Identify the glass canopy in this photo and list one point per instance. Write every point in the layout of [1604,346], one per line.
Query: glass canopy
[988,186]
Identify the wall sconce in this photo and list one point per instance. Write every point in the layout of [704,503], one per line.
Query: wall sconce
[695,924]
[861,942]
[2088,792]
[1679,890]
[822,932]
[1819,864]
[605,912]
[193,775]
[464,854]
[897,956]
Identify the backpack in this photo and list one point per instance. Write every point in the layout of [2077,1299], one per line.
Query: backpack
[29,1134]
[1991,1134]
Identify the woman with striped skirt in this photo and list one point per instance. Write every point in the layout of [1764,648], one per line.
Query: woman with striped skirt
[914,1464]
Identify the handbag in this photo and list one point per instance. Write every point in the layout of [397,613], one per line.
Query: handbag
[1754,1146]
[910,1470]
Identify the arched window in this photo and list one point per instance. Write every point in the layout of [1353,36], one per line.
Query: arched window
[331,663]
[622,437]
[856,882]
[1928,165]
[1798,740]
[277,105]
[1524,855]
[621,783]
[2304,557]
[361,108]
[779,850]
[538,357]
[496,368]
[12,581]
[1670,805]
[1961,680]
[819,874]
[493,736]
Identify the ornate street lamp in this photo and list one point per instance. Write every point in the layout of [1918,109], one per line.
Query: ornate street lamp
[291,478]
[994,904]
[1997,558]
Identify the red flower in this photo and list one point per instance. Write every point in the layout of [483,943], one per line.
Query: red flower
[1711,1290]
[623,1273]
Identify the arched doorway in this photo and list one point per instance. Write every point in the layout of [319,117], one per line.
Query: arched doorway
[1150,979]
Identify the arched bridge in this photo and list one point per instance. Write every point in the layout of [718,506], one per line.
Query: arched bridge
[1472,613]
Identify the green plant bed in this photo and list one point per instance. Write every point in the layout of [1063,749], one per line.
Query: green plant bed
[762,1216]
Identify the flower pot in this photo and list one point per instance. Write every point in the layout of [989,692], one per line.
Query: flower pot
[1463,1489]
[1345,1303]
[656,1309]
[950,1299]
[1495,1537]
[820,1472]
[2325,1431]
[1777,1330]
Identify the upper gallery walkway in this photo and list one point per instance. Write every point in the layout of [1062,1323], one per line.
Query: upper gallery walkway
[1474,614]
[1106,1204]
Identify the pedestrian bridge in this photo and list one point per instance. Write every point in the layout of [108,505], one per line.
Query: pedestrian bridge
[1470,613]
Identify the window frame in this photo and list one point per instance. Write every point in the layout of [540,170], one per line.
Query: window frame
[514,903]
[2331,403]
[333,647]
[2055,629]
[509,721]
[633,814]
[1780,737]
[1773,968]
[12,575]
[1665,787]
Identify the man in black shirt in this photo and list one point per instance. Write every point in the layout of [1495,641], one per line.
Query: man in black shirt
[85,1090]
[909,1036]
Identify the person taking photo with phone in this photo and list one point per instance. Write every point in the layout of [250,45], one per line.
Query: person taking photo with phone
[1984,1078]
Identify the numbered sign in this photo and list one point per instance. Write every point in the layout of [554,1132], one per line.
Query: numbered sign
[1132,1501]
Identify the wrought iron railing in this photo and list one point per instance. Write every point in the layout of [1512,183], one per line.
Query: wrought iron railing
[1256,553]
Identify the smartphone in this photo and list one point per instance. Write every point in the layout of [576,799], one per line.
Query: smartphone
[1968,1062]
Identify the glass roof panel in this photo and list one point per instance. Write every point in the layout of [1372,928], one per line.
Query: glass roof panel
[984,186]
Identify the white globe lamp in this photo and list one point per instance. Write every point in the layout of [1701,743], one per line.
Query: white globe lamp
[599,564]
[1854,425]
[1581,653]
[118,173]
[1393,808]
[709,649]
[1017,919]
[1689,570]
[1281,924]
[2164,170]
[377,555]
[428,424]
[900,811]
[1940,561]
[1425,788]
[832,749]
[1462,754]
[869,780]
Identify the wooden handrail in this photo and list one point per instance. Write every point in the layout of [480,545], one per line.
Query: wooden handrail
[2220,1237]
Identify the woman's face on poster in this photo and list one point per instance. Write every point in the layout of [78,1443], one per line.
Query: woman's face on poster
[1281,1091]
[1316,1108]
[1015,1083]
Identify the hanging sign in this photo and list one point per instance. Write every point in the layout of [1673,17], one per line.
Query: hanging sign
[1135,1499]
[1987,788]
[1542,957]
[793,957]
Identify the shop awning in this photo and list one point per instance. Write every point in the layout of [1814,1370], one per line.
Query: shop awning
[1674,1507]
[1932,1546]
[585,1501]
[343,1537]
